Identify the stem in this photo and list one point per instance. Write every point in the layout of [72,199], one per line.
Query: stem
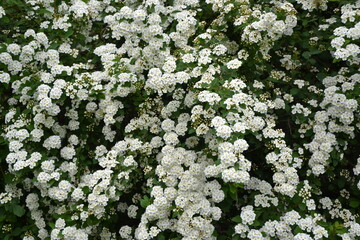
[289,126]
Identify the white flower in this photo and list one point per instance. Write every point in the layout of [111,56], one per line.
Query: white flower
[2,12]
[55,93]
[310,204]
[65,185]
[302,236]
[219,50]
[43,177]
[260,107]
[202,129]
[291,217]
[188,58]
[255,235]
[168,125]
[45,103]
[73,139]
[79,9]
[77,194]
[234,64]
[240,145]
[48,166]
[211,98]
[60,223]
[129,161]
[52,142]
[224,131]
[241,228]
[342,53]
[5,58]
[139,15]
[14,48]
[169,66]
[55,234]
[232,175]
[217,121]
[125,231]
[337,42]
[36,134]
[15,146]
[171,138]
[247,215]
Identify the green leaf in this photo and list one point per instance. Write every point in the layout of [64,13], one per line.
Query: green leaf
[54,45]
[222,237]
[236,237]
[297,230]
[317,182]
[44,11]
[306,55]
[145,202]
[86,189]
[18,210]
[233,195]
[133,61]
[294,91]
[341,182]
[338,226]
[161,237]
[354,203]
[175,214]
[151,9]
[232,188]
[68,33]
[17,231]
[52,225]
[236,219]
[302,206]
[256,223]
[9,178]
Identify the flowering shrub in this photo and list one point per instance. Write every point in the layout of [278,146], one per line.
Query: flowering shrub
[179,119]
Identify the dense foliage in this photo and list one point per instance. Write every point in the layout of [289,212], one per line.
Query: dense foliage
[179,119]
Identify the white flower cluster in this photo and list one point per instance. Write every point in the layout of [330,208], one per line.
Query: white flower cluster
[193,196]
[267,28]
[313,4]
[336,116]
[167,119]
[344,43]
[2,12]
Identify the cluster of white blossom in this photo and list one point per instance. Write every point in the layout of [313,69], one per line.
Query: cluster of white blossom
[344,43]
[281,229]
[336,116]
[313,4]
[267,28]
[169,119]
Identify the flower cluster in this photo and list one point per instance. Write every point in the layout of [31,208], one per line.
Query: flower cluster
[182,119]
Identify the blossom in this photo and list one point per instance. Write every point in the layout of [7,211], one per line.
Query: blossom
[234,64]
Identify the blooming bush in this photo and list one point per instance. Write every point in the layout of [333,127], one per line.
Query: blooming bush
[179,119]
